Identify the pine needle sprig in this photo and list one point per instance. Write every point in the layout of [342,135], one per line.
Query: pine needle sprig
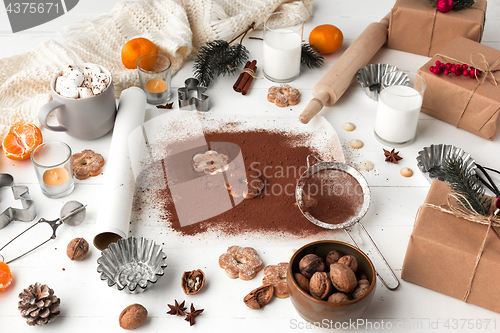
[465,183]
[310,57]
[236,56]
[204,64]
[457,4]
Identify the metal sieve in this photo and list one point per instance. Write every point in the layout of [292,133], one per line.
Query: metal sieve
[339,166]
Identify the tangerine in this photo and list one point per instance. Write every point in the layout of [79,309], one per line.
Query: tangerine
[5,276]
[21,140]
[326,38]
[137,48]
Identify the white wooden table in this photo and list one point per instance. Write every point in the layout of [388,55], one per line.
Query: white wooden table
[87,304]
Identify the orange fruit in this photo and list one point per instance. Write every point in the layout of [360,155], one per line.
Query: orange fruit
[326,38]
[137,48]
[21,140]
[5,276]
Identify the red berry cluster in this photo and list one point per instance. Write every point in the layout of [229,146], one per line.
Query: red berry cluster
[458,69]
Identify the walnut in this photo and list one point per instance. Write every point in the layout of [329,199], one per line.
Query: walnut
[361,289]
[77,249]
[133,316]
[332,257]
[311,264]
[343,278]
[349,261]
[320,285]
[338,298]
[193,281]
[302,281]
[259,297]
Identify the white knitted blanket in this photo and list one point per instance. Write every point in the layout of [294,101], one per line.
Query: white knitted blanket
[177,27]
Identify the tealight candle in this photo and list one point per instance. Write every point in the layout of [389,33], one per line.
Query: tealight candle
[54,168]
[155,81]
[55,177]
[156,86]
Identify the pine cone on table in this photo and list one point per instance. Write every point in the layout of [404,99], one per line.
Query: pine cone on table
[38,304]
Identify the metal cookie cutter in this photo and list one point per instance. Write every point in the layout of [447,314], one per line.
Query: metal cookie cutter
[27,213]
[200,101]
[72,213]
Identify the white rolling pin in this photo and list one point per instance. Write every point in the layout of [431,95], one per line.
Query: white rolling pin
[339,77]
[113,217]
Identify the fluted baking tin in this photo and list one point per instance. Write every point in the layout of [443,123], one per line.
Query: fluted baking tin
[370,78]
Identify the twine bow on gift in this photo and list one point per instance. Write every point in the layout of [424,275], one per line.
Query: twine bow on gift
[466,212]
[488,73]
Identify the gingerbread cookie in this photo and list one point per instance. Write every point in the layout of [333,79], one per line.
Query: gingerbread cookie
[248,186]
[283,95]
[242,262]
[276,275]
[87,163]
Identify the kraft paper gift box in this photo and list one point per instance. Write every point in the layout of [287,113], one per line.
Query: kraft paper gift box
[417,27]
[471,104]
[443,250]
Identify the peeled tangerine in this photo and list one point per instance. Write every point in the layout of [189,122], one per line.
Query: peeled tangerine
[5,276]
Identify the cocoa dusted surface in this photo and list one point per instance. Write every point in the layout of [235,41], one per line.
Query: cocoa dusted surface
[281,161]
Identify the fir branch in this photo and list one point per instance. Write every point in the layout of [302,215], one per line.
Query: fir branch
[205,62]
[310,57]
[465,183]
[236,56]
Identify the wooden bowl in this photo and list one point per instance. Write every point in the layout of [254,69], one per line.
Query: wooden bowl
[319,311]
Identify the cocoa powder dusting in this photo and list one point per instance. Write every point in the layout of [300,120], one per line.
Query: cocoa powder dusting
[279,161]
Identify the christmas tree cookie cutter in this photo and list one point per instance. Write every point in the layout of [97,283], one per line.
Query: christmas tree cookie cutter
[200,101]
[20,192]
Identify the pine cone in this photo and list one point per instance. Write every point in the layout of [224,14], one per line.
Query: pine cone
[38,304]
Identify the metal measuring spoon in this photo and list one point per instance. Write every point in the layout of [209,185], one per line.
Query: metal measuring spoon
[72,213]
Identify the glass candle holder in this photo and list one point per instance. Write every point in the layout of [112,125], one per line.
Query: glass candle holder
[398,108]
[282,47]
[155,71]
[53,168]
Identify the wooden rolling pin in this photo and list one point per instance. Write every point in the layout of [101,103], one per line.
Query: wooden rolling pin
[339,77]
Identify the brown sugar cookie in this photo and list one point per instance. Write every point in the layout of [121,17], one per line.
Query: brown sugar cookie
[87,163]
[283,95]
[242,262]
[276,275]
[248,187]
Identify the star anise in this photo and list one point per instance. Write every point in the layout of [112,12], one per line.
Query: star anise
[177,309]
[166,106]
[191,315]
[392,156]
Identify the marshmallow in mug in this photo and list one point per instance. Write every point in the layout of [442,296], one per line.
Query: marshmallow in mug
[81,81]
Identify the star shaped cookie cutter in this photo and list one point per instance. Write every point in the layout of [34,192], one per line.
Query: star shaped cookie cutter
[200,101]
[20,192]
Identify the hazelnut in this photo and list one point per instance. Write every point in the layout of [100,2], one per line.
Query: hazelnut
[361,289]
[77,249]
[259,297]
[311,264]
[338,298]
[302,281]
[343,278]
[320,285]
[349,261]
[133,316]
[332,257]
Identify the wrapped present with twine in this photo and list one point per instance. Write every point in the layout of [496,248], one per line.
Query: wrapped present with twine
[418,27]
[454,250]
[468,103]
